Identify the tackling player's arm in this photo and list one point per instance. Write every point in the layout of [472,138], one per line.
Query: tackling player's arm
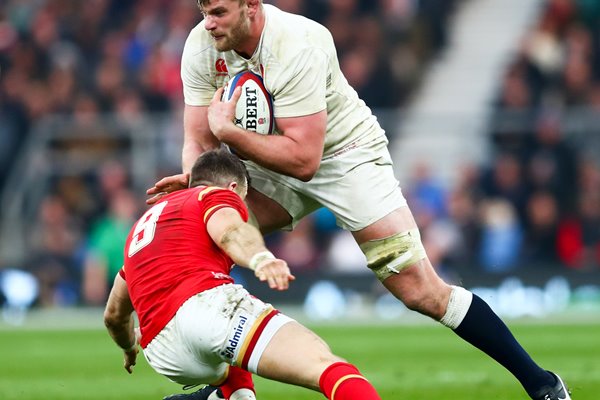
[118,319]
[297,152]
[246,247]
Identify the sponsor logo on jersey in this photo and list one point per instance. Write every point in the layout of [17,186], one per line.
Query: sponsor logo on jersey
[251,109]
[234,340]
[221,67]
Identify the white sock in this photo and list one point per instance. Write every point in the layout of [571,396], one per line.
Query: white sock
[243,394]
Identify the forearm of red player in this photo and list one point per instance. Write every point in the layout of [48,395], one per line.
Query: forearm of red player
[297,152]
[118,315]
[235,237]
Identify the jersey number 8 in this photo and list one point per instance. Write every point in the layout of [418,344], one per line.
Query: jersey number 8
[145,228]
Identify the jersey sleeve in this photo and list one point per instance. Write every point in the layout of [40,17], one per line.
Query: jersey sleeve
[122,273]
[197,87]
[302,92]
[215,200]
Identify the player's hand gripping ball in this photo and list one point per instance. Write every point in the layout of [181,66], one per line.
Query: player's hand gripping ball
[254,109]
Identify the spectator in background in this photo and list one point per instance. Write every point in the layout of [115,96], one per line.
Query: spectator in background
[501,236]
[504,180]
[112,178]
[77,198]
[541,229]
[433,19]
[425,192]
[516,97]
[559,67]
[578,236]
[104,255]
[54,248]
[343,256]
[298,247]
[551,162]
[12,126]
[463,214]
[579,232]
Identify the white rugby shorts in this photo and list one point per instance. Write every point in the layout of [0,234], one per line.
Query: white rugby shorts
[357,184]
[214,329]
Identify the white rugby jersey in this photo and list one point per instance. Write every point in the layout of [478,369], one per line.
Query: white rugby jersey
[298,62]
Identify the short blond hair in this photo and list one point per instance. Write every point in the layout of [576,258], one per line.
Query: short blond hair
[205,2]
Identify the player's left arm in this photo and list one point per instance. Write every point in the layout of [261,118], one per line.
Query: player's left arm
[301,119]
[297,152]
[118,319]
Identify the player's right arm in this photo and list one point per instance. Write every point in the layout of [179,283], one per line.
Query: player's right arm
[246,247]
[197,139]
[198,89]
[118,319]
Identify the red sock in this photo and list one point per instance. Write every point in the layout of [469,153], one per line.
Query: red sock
[237,379]
[342,381]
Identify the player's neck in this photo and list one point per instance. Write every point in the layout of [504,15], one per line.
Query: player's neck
[248,47]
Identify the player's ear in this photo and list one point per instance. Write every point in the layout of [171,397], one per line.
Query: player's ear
[253,7]
[232,186]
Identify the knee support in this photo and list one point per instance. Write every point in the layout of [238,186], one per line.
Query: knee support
[390,255]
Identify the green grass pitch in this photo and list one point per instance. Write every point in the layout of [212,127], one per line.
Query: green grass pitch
[403,362]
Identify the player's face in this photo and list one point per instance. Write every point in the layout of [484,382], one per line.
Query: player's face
[228,23]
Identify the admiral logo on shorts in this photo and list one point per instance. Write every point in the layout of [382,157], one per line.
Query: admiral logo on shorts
[234,341]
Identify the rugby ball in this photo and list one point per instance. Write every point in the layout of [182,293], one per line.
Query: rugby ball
[254,109]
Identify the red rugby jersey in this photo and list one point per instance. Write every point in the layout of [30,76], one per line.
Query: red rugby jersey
[169,255]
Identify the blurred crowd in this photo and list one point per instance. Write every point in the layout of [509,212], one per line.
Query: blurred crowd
[536,203]
[547,177]
[123,56]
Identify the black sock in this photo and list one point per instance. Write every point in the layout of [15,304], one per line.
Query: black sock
[482,328]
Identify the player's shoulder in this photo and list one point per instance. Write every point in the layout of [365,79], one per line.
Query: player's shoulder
[177,197]
[198,41]
[190,199]
[294,33]
[212,193]
[293,21]
[203,192]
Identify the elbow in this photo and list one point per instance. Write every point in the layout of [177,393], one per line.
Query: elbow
[307,170]
[305,176]
[111,319]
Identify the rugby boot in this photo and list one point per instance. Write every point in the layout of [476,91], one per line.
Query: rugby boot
[558,392]
[206,393]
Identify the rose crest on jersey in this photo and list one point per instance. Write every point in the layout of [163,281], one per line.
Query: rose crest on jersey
[221,67]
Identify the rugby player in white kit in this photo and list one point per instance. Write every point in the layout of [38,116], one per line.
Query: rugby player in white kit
[328,151]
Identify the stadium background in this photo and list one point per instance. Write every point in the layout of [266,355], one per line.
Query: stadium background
[491,108]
